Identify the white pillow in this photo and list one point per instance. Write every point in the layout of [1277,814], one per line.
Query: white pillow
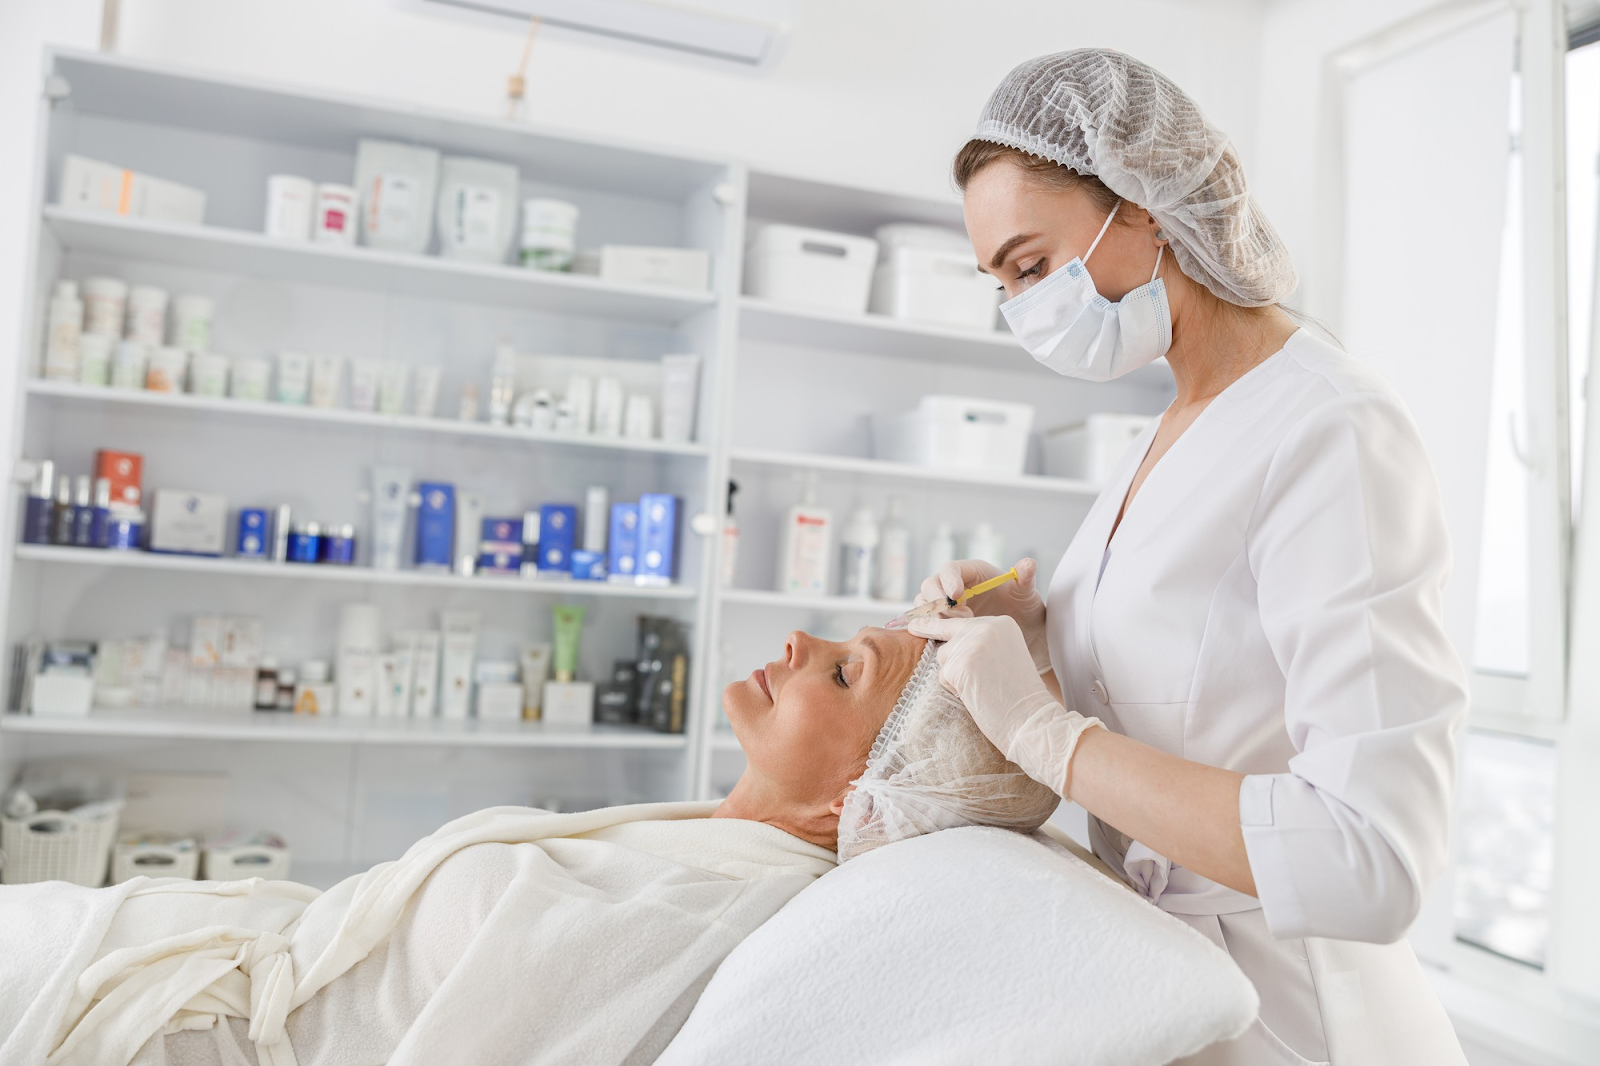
[968,945]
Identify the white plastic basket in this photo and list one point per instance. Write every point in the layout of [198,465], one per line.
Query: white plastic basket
[810,267]
[956,433]
[246,860]
[149,858]
[934,285]
[57,846]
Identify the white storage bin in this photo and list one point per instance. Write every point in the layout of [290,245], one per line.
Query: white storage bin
[264,856]
[146,855]
[57,846]
[957,433]
[1090,450]
[934,285]
[61,696]
[813,267]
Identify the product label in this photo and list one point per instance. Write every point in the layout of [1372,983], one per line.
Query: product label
[475,219]
[392,208]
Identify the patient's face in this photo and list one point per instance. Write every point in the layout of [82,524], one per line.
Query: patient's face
[808,718]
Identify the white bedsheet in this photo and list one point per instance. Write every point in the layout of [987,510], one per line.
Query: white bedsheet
[520,935]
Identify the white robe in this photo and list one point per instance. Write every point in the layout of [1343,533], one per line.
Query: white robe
[509,935]
[1270,604]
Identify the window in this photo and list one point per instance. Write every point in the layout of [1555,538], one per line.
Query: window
[1506,805]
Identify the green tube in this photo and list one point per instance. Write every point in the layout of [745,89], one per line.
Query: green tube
[567,621]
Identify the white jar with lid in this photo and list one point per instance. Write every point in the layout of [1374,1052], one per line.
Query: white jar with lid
[105,305]
[250,378]
[128,365]
[549,229]
[168,368]
[191,322]
[208,375]
[94,359]
[147,315]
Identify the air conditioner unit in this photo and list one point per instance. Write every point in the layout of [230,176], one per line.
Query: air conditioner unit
[745,34]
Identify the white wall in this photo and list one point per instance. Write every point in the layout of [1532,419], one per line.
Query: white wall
[1289,172]
[870,92]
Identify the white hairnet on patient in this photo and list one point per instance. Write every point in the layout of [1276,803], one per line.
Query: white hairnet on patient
[1106,114]
[931,768]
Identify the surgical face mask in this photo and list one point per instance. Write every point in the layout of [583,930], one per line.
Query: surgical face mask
[1066,324]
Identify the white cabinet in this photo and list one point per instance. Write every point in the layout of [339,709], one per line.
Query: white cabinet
[784,391]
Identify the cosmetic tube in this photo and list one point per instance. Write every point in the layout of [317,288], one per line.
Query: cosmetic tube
[364,384]
[391,488]
[459,647]
[535,662]
[567,620]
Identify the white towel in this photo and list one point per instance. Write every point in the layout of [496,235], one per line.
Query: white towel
[520,935]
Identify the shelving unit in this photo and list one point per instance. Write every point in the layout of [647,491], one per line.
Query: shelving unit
[348,792]
[188,723]
[358,575]
[298,418]
[429,277]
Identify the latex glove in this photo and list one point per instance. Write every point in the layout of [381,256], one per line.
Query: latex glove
[1018,599]
[985,662]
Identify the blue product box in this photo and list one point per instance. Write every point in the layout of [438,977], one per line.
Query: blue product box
[500,550]
[436,525]
[658,538]
[624,542]
[588,566]
[558,526]
[252,542]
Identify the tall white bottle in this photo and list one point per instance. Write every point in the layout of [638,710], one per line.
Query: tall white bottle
[858,551]
[62,352]
[941,547]
[893,581]
[807,546]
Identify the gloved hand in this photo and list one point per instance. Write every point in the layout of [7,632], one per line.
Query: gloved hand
[1019,599]
[985,661]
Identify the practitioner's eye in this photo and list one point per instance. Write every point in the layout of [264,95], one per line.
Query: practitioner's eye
[838,676]
[1031,272]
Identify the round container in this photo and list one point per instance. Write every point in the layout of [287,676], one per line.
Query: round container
[94,359]
[105,306]
[289,203]
[208,375]
[124,530]
[305,542]
[167,370]
[335,221]
[339,545]
[548,234]
[191,322]
[250,377]
[128,365]
[147,315]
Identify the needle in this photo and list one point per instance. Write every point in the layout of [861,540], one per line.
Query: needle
[933,607]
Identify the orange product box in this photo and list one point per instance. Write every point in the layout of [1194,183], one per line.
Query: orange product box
[125,471]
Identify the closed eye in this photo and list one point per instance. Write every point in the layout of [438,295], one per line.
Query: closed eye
[838,675]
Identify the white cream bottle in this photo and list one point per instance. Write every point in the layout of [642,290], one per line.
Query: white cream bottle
[391,489]
[807,546]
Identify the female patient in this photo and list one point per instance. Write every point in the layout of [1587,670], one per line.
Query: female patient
[547,937]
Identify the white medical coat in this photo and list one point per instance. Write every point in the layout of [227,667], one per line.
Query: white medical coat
[1270,604]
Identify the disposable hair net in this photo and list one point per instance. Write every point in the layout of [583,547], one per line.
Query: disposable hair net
[931,768]
[1106,114]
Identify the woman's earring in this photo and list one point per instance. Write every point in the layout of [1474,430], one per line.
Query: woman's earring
[1161,235]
